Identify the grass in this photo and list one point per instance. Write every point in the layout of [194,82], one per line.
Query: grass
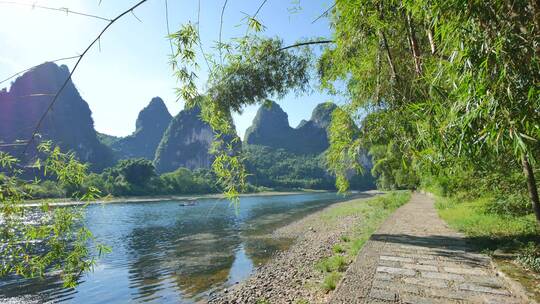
[370,215]
[516,236]
[331,280]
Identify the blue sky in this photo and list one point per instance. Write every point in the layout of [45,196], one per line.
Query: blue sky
[131,67]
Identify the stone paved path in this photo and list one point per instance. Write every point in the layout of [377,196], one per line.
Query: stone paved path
[415,258]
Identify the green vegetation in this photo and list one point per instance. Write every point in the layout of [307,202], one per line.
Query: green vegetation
[512,237]
[55,240]
[489,230]
[372,212]
[278,169]
[133,177]
[331,281]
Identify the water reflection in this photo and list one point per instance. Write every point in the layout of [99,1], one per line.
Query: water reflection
[167,252]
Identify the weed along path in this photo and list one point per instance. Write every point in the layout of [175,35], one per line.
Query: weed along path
[415,258]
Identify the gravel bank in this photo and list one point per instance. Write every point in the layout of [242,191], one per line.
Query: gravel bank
[291,276]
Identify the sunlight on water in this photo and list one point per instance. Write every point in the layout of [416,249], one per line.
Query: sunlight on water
[170,252]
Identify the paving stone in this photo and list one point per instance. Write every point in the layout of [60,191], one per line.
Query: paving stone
[389,263]
[416,256]
[420,267]
[459,270]
[487,281]
[397,287]
[442,276]
[384,276]
[394,270]
[383,295]
[426,282]
[479,288]
[413,299]
[396,259]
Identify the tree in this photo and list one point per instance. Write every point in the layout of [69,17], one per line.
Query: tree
[136,171]
[454,78]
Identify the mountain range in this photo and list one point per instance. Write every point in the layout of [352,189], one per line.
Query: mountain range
[68,123]
[170,142]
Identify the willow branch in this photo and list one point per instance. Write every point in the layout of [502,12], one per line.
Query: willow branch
[55,98]
[58,9]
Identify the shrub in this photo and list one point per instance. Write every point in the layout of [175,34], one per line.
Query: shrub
[529,256]
[333,263]
[337,248]
[510,204]
[331,280]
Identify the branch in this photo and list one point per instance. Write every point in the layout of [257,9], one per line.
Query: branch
[324,14]
[306,43]
[221,30]
[259,9]
[255,15]
[75,68]
[35,66]
[60,9]
[199,37]
[168,28]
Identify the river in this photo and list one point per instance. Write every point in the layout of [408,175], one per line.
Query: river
[173,251]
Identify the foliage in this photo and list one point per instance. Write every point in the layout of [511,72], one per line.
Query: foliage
[441,86]
[36,241]
[137,177]
[474,218]
[490,230]
[278,169]
[530,256]
[331,280]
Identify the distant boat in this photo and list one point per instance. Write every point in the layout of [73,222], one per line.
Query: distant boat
[188,203]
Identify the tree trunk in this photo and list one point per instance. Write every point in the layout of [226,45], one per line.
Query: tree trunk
[414,44]
[531,186]
[393,72]
[429,32]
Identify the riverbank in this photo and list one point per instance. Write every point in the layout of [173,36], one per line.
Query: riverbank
[150,199]
[326,242]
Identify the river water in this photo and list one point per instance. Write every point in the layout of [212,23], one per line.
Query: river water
[172,252]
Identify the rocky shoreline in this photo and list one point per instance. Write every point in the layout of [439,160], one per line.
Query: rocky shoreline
[291,276]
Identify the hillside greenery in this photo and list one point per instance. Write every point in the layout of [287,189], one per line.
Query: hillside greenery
[279,169]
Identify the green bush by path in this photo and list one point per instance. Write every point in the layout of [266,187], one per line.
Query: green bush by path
[492,231]
[476,220]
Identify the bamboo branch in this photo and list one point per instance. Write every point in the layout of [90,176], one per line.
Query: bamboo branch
[34,133]
[414,44]
[393,72]
[306,43]
[221,30]
[59,9]
[324,14]
[429,32]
